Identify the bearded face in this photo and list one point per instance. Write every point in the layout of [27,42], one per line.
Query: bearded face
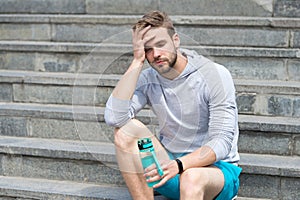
[161,50]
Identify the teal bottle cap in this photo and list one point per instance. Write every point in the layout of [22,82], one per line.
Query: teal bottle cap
[145,144]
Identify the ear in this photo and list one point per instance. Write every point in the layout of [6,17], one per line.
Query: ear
[176,40]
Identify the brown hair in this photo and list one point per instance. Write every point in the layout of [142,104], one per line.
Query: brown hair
[156,19]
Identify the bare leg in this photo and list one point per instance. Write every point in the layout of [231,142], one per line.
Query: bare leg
[129,160]
[201,183]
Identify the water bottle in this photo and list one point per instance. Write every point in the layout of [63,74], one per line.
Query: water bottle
[148,157]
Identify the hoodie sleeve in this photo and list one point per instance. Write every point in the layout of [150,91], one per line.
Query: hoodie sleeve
[222,110]
[118,112]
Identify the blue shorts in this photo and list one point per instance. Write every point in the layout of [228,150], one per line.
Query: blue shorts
[171,189]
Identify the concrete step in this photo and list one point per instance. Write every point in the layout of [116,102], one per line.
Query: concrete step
[261,181]
[255,97]
[258,134]
[96,33]
[202,7]
[106,58]
[263,176]
[59,160]
[30,189]
[248,198]
[125,19]
[239,32]
[120,49]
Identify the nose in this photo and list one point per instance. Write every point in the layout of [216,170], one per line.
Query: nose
[156,52]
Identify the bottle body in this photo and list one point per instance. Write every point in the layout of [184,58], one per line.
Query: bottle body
[148,157]
[147,160]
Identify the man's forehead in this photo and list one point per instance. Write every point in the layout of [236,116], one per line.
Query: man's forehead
[155,34]
[157,31]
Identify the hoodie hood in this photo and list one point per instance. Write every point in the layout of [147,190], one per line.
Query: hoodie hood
[195,62]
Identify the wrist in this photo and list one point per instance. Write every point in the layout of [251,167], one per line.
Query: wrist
[135,66]
[179,165]
[138,62]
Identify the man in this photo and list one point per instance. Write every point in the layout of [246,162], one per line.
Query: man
[194,101]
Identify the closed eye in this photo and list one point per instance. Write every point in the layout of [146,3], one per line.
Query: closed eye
[148,49]
[160,44]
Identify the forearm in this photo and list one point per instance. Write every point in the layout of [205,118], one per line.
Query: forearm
[118,107]
[127,84]
[204,156]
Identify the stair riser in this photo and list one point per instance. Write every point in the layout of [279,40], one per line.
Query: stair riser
[40,62]
[252,102]
[18,188]
[273,187]
[60,169]
[254,185]
[262,104]
[249,141]
[268,143]
[108,63]
[203,7]
[56,128]
[16,194]
[10,197]
[49,6]
[61,94]
[115,63]
[262,68]
[122,34]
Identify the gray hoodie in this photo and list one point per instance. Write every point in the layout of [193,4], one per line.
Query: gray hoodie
[196,108]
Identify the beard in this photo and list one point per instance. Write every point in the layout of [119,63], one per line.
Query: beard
[167,66]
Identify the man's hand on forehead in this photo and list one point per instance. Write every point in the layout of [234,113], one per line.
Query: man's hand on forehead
[139,39]
[140,32]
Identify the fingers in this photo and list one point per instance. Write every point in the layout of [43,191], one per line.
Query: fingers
[170,171]
[139,43]
[161,183]
[153,178]
[151,174]
[138,37]
[139,33]
[150,168]
[163,179]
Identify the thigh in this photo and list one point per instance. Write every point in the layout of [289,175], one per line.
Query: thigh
[231,173]
[209,180]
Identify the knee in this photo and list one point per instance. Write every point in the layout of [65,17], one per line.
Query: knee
[117,136]
[122,140]
[192,177]
[127,135]
[193,184]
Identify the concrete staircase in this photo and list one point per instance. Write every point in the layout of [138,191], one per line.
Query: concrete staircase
[60,60]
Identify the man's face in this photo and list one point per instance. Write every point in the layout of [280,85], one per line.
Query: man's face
[160,50]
